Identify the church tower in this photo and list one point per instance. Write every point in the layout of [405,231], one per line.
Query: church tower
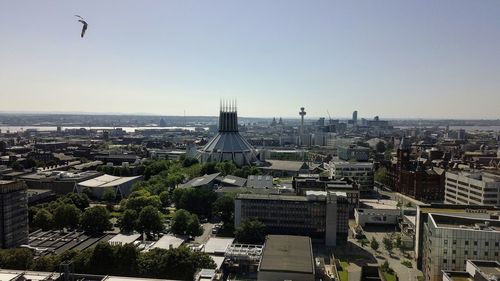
[403,154]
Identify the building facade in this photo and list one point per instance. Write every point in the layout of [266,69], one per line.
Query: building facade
[13,214]
[480,188]
[353,152]
[360,172]
[302,184]
[412,179]
[320,215]
[450,240]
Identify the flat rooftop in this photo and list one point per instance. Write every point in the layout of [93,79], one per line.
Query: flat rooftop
[379,204]
[271,197]
[288,254]
[488,268]
[465,223]
[107,181]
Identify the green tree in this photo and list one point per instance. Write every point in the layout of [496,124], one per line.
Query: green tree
[380,175]
[197,201]
[18,258]
[95,220]
[224,208]
[128,220]
[208,168]
[194,228]
[81,201]
[251,232]
[226,168]
[150,221]
[67,215]
[127,256]
[388,245]
[180,221]
[179,263]
[165,198]
[43,219]
[374,244]
[188,162]
[138,203]
[109,194]
[102,259]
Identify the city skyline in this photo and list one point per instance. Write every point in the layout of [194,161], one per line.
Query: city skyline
[418,59]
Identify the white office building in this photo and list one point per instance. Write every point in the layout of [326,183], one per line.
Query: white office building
[473,188]
[450,240]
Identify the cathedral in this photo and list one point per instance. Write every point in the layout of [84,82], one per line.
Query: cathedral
[228,144]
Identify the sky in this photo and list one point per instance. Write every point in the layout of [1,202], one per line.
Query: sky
[395,59]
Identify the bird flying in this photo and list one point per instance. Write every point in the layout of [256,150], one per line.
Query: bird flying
[84,28]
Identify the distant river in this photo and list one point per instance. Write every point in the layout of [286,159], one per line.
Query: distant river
[13,129]
[467,128]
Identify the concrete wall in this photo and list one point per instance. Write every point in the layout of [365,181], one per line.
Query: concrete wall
[376,216]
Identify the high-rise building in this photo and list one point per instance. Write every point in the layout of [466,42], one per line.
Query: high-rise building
[13,214]
[479,188]
[228,144]
[320,215]
[355,117]
[450,240]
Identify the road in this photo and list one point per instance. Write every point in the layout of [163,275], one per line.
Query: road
[207,231]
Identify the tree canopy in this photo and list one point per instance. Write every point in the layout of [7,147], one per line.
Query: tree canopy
[251,232]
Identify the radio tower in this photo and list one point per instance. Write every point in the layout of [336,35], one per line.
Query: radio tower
[302,113]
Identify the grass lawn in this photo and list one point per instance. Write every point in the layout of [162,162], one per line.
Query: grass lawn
[389,276]
[344,274]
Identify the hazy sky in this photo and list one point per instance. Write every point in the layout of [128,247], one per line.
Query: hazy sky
[421,58]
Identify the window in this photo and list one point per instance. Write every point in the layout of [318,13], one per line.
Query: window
[475,243]
[466,242]
[486,254]
[446,242]
[466,252]
[454,242]
[453,261]
[454,252]
[486,243]
[445,260]
[475,253]
[496,254]
[496,244]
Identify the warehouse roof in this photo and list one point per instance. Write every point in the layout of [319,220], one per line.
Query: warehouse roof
[107,181]
[287,253]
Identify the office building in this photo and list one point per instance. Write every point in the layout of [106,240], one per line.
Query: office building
[304,183]
[359,172]
[286,257]
[450,240]
[13,214]
[473,188]
[353,153]
[320,215]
